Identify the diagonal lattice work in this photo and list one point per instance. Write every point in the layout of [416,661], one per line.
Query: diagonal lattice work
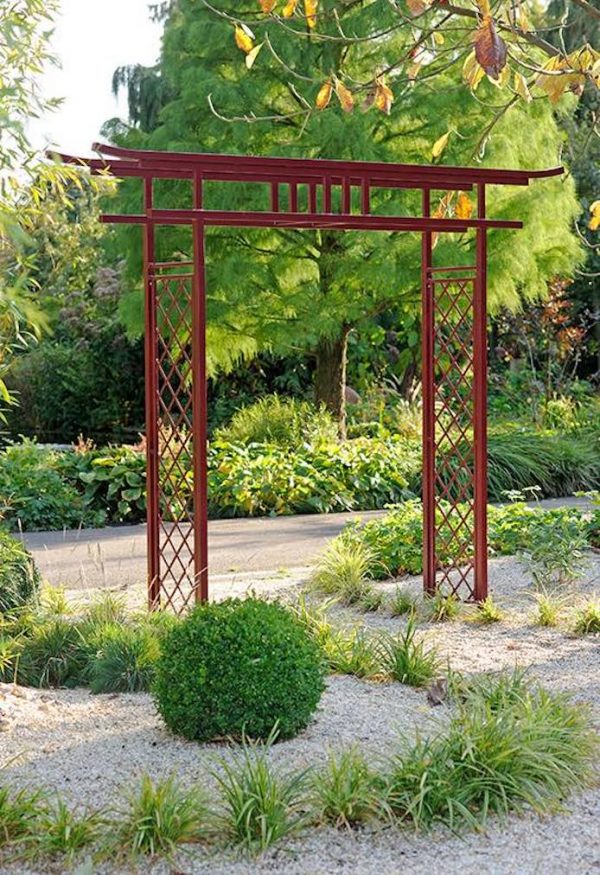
[453,419]
[174,439]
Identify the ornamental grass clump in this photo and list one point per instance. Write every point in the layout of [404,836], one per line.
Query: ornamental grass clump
[62,832]
[259,804]
[343,570]
[505,750]
[587,621]
[406,659]
[346,790]
[238,668]
[353,652]
[125,661]
[51,654]
[441,607]
[19,578]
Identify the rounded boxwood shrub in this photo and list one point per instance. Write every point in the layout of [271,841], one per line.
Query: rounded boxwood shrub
[19,578]
[235,668]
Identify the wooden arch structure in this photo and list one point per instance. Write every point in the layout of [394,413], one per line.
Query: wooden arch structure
[312,194]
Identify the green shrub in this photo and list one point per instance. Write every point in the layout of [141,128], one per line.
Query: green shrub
[19,578]
[238,667]
[112,480]
[35,496]
[278,420]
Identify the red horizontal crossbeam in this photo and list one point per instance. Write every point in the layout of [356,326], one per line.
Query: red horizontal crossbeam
[341,221]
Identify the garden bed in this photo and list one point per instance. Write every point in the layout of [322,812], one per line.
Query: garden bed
[92,749]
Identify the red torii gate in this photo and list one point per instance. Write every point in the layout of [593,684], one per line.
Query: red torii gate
[454,345]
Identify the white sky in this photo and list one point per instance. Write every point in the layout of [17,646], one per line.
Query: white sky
[91,39]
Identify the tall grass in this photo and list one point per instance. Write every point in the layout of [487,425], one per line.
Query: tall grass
[346,790]
[343,570]
[406,659]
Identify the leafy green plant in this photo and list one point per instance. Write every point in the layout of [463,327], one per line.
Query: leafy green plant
[548,607]
[441,607]
[279,420]
[587,621]
[125,662]
[555,549]
[354,652]
[487,612]
[342,571]
[501,752]
[260,806]
[238,667]
[61,832]
[52,655]
[113,480]
[402,602]
[406,659]
[19,578]
[159,817]
[20,812]
[346,791]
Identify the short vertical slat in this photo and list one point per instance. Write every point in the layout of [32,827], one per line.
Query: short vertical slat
[428,393]
[293,197]
[480,404]
[327,195]
[312,198]
[365,197]
[346,196]
[275,197]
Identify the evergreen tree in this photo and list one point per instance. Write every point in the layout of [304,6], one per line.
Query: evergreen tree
[290,290]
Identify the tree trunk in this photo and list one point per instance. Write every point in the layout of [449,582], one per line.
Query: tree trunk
[330,377]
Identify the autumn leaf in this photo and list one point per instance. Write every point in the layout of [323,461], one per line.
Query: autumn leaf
[289,8]
[383,97]
[310,11]
[521,88]
[344,96]
[464,206]
[490,49]
[252,55]
[324,95]
[267,5]
[484,7]
[244,38]
[473,72]
[594,223]
[556,79]
[440,144]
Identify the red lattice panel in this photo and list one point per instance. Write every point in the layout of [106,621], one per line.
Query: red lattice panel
[175,436]
[454,404]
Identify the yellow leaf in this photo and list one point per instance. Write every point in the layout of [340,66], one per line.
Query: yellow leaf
[310,11]
[594,223]
[289,8]
[473,72]
[554,82]
[244,38]
[384,97]
[324,95]
[440,144]
[439,38]
[413,71]
[344,96]
[267,5]
[484,7]
[464,206]
[521,88]
[252,55]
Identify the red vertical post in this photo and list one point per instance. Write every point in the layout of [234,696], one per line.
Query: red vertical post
[428,398]
[199,405]
[151,403]
[480,405]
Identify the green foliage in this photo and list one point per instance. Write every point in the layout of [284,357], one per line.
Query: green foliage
[406,659]
[35,496]
[19,577]
[402,602]
[587,621]
[260,805]
[371,600]
[20,811]
[125,662]
[549,605]
[51,655]
[278,420]
[354,652]
[506,749]
[346,790]
[441,607]
[238,667]
[488,612]
[160,816]
[342,570]
[113,480]
[555,549]
[61,832]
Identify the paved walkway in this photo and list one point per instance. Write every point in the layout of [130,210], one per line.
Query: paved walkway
[116,556]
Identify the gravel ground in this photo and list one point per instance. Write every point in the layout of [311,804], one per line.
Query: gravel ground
[92,749]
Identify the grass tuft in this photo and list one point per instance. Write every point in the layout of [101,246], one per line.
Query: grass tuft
[402,602]
[20,812]
[345,792]
[441,607]
[260,805]
[125,662]
[160,816]
[62,833]
[548,608]
[406,659]
[587,621]
[488,612]
[343,571]
[353,652]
